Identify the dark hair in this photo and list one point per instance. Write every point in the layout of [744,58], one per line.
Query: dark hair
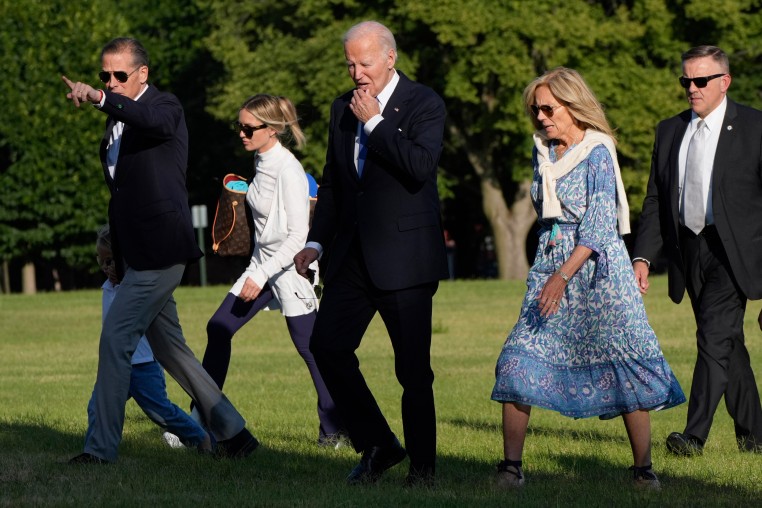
[713,52]
[127,44]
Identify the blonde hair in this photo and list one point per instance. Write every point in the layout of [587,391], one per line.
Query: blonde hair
[568,88]
[279,114]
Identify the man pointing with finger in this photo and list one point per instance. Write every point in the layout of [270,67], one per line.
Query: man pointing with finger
[144,153]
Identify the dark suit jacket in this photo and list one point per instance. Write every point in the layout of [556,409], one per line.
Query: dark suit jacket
[394,207]
[736,198]
[150,220]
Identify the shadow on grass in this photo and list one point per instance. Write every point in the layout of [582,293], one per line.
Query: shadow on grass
[538,430]
[292,471]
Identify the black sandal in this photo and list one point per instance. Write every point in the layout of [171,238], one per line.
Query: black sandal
[645,477]
[509,474]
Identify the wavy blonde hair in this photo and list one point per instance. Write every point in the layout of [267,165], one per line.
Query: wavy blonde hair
[279,114]
[568,88]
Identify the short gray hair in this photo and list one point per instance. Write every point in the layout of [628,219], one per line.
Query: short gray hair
[373,29]
[713,52]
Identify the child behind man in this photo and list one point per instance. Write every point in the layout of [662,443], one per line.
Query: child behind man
[147,384]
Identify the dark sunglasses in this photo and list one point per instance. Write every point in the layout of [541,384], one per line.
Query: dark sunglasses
[547,110]
[699,82]
[120,76]
[247,130]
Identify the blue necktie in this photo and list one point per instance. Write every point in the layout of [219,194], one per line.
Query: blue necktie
[363,150]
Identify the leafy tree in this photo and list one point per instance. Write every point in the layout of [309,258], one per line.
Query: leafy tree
[479,55]
[51,184]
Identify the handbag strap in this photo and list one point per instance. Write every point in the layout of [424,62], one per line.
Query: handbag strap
[215,243]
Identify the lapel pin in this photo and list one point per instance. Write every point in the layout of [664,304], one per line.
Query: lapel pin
[397,110]
[730,127]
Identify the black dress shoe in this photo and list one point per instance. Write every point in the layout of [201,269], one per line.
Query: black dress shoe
[684,445]
[239,446]
[420,477]
[87,458]
[375,461]
[749,444]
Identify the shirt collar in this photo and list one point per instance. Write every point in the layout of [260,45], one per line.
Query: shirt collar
[388,90]
[714,119]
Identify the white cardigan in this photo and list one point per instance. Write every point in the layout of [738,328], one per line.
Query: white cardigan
[283,235]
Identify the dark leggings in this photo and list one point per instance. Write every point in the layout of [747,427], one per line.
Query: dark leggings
[230,317]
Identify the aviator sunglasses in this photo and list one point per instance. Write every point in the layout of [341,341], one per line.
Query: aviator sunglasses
[699,82]
[248,130]
[547,110]
[120,76]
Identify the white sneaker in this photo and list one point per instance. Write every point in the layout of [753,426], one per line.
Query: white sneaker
[172,440]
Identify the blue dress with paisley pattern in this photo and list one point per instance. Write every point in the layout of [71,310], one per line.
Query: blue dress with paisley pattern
[597,355]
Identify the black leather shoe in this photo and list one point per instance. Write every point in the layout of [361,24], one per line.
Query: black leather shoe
[749,444]
[87,458]
[239,446]
[684,445]
[420,477]
[375,460]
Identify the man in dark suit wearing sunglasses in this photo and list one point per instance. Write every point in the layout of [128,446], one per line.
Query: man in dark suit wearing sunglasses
[703,211]
[144,153]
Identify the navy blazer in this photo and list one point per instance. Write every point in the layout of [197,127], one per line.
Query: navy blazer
[151,225]
[736,198]
[393,209]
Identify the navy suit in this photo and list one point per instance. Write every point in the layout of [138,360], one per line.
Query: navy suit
[152,240]
[720,268]
[149,200]
[385,253]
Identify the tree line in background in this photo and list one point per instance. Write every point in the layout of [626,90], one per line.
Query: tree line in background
[478,54]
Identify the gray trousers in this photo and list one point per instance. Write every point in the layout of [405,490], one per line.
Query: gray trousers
[144,305]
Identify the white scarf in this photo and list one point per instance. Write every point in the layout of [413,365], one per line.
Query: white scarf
[550,172]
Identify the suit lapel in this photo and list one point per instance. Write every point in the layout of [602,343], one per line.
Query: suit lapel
[347,131]
[110,122]
[674,165]
[398,102]
[724,144]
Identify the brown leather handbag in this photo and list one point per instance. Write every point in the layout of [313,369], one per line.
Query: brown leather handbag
[232,230]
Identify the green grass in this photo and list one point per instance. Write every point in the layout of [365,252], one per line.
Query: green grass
[48,359]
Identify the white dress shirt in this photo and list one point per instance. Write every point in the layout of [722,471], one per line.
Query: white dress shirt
[713,123]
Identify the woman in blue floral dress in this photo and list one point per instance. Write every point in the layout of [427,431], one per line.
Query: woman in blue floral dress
[582,345]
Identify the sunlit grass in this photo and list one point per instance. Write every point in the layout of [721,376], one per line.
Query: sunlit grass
[48,359]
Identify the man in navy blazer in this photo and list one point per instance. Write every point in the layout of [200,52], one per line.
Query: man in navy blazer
[718,261]
[378,218]
[144,154]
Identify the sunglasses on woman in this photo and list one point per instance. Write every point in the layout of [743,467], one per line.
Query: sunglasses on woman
[248,130]
[699,82]
[120,76]
[546,109]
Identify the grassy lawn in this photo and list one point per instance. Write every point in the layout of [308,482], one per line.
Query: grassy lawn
[48,360]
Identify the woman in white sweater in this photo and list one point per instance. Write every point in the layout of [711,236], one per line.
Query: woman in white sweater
[279,200]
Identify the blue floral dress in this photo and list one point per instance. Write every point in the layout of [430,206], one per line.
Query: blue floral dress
[597,355]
